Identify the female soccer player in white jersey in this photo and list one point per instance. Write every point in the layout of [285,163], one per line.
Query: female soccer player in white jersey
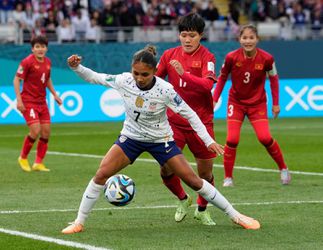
[146,128]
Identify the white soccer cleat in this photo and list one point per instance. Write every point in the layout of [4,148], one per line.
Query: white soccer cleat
[228,182]
[285,176]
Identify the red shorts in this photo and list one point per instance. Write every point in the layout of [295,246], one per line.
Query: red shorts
[36,113]
[238,112]
[193,141]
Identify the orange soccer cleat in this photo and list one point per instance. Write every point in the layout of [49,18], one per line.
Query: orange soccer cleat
[246,222]
[73,228]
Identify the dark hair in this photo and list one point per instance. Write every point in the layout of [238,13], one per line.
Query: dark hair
[39,39]
[146,55]
[191,22]
[248,26]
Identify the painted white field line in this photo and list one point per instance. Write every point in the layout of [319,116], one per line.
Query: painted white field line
[263,203]
[60,134]
[52,240]
[192,163]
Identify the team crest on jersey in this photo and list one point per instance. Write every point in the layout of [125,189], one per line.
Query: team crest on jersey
[239,64]
[178,100]
[122,138]
[36,66]
[20,69]
[196,64]
[139,102]
[259,66]
[152,106]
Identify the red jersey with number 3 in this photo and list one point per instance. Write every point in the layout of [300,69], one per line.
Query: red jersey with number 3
[248,76]
[35,75]
[200,64]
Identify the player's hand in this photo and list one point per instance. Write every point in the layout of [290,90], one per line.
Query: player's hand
[21,106]
[216,148]
[177,66]
[275,110]
[58,100]
[74,60]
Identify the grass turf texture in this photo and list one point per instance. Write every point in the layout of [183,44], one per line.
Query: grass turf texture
[45,202]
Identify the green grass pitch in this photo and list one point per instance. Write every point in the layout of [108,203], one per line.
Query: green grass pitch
[35,206]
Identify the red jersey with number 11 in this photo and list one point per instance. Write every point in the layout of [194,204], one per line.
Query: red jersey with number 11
[248,76]
[35,75]
[197,94]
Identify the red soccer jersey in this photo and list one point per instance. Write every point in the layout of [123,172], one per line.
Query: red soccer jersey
[248,77]
[35,75]
[195,92]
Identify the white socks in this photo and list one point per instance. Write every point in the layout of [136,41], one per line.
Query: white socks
[90,196]
[212,195]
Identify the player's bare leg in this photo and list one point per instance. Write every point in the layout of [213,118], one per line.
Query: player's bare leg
[183,170]
[113,162]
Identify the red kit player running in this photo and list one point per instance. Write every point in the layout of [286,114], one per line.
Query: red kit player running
[191,70]
[249,66]
[34,71]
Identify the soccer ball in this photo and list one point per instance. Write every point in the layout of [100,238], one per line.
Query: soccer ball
[119,190]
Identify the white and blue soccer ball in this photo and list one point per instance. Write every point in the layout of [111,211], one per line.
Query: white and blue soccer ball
[119,190]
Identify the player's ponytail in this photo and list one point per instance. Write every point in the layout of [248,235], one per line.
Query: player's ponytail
[147,55]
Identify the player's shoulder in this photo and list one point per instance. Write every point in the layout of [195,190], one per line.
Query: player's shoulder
[28,59]
[162,84]
[125,76]
[234,55]
[204,52]
[264,54]
[172,51]
[47,60]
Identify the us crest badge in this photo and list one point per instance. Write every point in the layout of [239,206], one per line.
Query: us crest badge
[139,102]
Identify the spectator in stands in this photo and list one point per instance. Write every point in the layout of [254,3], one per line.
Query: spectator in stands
[299,20]
[211,13]
[316,23]
[92,33]
[164,19]
[6,9]
[38,29]
[80,23]
[65,31]
[19,16]
[51,23]
[149,20]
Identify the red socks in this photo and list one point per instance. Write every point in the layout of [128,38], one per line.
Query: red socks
[26,147]
[42,147]
[228,160]
[276,153]
[173,183]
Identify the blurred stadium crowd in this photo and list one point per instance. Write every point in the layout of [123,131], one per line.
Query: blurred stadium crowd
[154,20]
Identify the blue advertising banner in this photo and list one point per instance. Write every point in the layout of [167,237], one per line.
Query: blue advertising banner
[85,103]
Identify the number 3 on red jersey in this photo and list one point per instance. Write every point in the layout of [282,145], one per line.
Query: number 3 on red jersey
[230,110]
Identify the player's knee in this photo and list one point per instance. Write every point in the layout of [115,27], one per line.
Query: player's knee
[266,141]
[232,143]
[165,172]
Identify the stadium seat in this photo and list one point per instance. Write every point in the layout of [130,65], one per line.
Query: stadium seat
[269,29]
[8,33]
